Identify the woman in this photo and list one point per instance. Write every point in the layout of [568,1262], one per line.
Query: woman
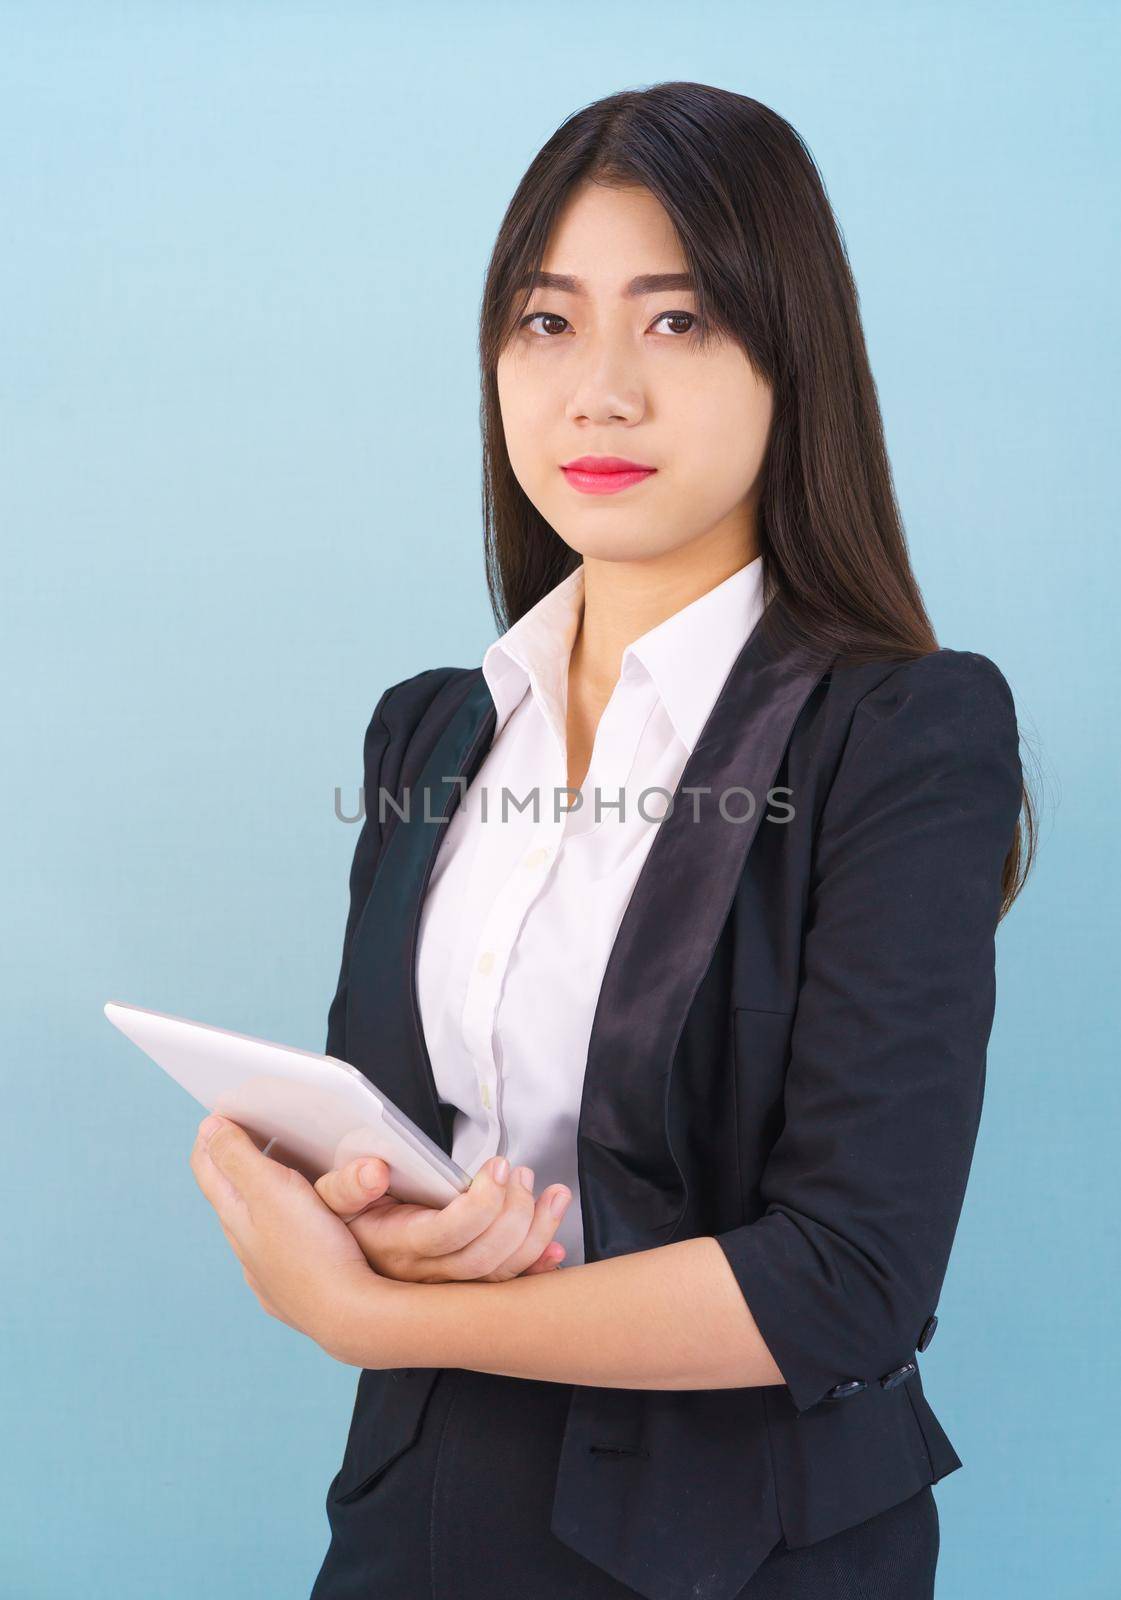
[682,907]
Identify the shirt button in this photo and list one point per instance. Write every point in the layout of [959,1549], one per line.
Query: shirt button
[486,961]
[536,857]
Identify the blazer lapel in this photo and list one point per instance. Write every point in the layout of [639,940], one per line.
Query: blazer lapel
[631,1188]
[385,1037]
[632,1191]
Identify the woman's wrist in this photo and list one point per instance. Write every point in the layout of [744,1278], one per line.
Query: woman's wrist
[387,1323]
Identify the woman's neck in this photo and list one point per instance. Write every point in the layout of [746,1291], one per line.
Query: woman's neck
[622,601]
[625,599]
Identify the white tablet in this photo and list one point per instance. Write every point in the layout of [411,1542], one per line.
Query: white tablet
[311,1112]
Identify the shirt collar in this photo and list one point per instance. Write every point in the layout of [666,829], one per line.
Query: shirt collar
[535,652]
[687,656]
[691,653]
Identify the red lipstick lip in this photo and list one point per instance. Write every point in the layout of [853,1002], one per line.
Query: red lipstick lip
[605,464]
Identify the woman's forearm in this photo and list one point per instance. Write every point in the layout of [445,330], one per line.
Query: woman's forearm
[669,1318]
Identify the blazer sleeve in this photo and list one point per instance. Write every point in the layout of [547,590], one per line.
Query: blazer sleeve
[366,850]
[865,1183]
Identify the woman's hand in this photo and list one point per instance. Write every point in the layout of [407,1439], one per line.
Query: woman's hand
[495,1230]
[302,1263]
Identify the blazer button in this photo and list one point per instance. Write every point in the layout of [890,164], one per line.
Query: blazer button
[927,1333]
[900,1375]
[841,1391]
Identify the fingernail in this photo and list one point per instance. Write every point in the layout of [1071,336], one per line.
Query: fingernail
[501,1170]
[559,1201]
[209,1125]
[370,1175]
[526,1176]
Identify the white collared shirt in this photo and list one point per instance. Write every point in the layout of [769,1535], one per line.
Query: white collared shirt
[522,909]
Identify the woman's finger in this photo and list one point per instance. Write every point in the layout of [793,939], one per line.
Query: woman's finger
[349,1190]
[549,1260]
[229,1205]
[438,1234]
[499,1240]
[550,1208]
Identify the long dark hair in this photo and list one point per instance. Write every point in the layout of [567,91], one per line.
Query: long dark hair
[771,272]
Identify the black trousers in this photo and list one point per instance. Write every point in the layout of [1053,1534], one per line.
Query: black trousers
[464,1515]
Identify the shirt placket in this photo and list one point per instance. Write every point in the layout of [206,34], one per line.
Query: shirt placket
[494,948]
[616,745]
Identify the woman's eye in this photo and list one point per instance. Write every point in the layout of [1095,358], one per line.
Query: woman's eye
[679,316]
[553,324]
[544,316]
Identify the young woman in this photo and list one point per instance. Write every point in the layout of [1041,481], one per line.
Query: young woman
[678,934]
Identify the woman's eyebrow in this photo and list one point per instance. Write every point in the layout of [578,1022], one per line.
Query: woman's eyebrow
[645,283]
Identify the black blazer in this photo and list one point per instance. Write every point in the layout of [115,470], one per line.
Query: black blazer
[788,1053]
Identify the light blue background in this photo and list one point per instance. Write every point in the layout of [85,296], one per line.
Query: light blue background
[244,249]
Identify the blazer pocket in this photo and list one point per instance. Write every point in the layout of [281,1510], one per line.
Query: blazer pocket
[388,1413]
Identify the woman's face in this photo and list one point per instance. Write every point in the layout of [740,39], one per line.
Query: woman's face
[604,366]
